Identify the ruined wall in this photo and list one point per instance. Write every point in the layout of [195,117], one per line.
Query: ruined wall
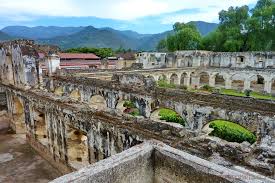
[193,58]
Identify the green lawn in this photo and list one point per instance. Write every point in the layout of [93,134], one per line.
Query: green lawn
[241,94]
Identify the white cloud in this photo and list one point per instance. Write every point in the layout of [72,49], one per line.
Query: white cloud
[115,9]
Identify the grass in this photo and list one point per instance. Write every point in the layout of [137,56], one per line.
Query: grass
[256,95]
[231,132]
[165,84]
[171,116]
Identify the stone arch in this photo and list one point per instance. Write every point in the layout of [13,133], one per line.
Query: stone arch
[204,78]
[77,148]
[162,77]
[40,127]
[174,79]
[257,83]
[98,102]
[184,79]
[59,91]
[152,77]
[18,115]
[219,80]
[75,95]
[237,82]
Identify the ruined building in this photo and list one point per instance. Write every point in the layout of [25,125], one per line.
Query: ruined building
[76,120]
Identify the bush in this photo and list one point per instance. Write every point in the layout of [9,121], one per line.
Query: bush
[165,84]
[129,104]
[183,87]
[247,92]
[207,88]
[171,116]
[231,132]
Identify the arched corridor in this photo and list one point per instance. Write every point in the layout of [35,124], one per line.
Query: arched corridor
[257,83]
[204,78]
[219,81]
[174,79]
[184,80]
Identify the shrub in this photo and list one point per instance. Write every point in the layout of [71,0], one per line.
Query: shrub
[129,104]
[247,92]
[207,88]
[231,132]
[171,116]
[165,84]
[183,87]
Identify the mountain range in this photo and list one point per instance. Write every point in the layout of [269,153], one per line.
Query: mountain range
[69,37]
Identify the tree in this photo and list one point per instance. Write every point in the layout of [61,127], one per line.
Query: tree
[101,52]
[186,37]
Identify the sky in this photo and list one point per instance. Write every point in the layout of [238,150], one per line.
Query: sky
[144,16]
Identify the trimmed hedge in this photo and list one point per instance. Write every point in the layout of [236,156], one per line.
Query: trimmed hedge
[171,116]
[231,132]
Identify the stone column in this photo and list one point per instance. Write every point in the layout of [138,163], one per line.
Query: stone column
[268,86]
[52,63]
[228,83]
[247,84]
[212,78]
[187,81]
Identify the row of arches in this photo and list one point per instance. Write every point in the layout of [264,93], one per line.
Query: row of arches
[236,81]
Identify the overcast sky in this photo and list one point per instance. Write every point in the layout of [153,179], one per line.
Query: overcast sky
[163,12]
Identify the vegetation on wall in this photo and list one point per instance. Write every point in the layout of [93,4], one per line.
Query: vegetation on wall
[100,52]
[240,29]
[131,108]
[171,116]
[231,132]
[165,84]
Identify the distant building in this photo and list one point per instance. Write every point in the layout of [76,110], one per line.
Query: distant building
[75,60]
[125,60]
[79,60]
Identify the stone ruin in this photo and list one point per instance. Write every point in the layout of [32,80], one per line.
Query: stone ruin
[77,122]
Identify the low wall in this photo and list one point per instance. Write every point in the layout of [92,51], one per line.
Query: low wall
[153,162]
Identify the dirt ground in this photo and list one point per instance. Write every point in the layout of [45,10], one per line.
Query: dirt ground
[19,163]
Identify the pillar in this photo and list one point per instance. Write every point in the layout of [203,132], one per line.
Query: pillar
[228,83]
[52,63]
[187,81]
[247,83]
[212,78]
[268,86]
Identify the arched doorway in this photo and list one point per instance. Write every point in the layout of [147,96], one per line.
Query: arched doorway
[237,82]
[257,83]
[219,81]
[183,80]
[174,79]
[204,78]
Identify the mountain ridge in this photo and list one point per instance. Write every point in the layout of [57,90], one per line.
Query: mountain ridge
[89,36]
